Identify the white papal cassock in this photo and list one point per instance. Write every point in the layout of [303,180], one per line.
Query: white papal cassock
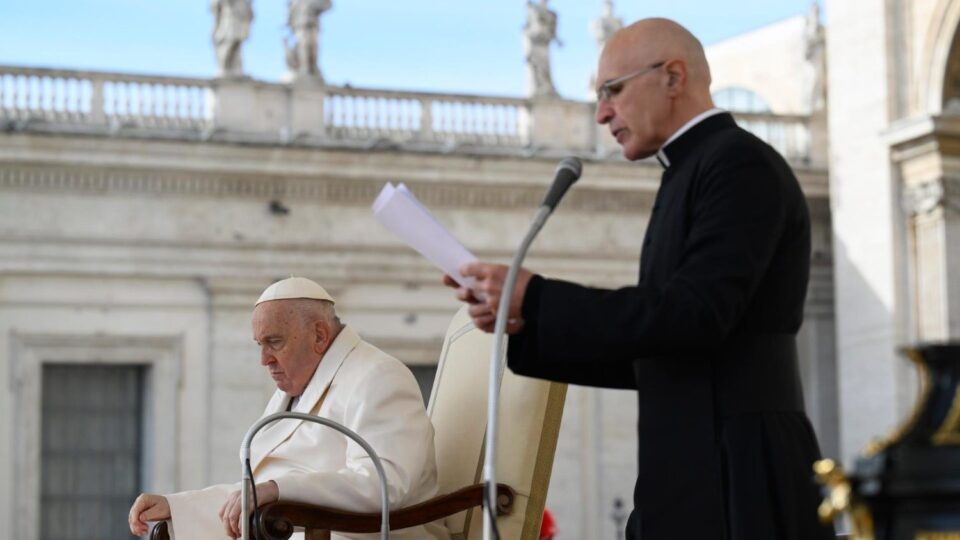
[366,390]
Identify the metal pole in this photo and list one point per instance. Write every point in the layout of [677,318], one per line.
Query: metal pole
[496,371]
[247,483]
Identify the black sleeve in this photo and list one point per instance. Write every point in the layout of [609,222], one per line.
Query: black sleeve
[523,357]
[587,335]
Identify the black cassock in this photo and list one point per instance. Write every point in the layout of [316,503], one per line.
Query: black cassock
[707,338]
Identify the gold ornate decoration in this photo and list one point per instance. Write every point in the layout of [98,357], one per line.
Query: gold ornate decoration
[949,431]
[837,500]
[841,498]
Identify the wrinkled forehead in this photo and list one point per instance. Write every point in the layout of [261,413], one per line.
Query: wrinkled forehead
[273,313]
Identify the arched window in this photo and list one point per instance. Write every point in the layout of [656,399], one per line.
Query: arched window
[737,99]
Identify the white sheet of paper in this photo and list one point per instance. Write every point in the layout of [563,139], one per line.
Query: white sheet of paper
[397,209]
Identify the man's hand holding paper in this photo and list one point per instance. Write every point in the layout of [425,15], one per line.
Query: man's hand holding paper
[488,284]
[397,209]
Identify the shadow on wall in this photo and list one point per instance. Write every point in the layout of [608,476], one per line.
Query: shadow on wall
[877,385]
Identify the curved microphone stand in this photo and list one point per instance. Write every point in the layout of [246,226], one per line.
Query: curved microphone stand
[496,372]
[567,173]
[247,482]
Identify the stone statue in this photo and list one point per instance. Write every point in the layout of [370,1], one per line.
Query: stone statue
[816,55]
[602,29]
[230,28]
[606,25]
[539,32]
[303,19]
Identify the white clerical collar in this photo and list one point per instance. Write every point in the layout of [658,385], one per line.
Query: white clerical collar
[662,156]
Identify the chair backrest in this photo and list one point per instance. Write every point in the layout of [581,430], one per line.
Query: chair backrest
[530,412]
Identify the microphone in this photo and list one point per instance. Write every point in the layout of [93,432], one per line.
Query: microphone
[568,172]
[247,486]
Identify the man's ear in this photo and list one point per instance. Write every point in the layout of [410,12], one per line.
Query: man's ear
[321,332]
[676,76]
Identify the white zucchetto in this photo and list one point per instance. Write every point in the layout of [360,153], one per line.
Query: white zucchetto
[294,287]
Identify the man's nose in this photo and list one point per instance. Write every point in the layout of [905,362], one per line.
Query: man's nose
[265,358]
[604,112]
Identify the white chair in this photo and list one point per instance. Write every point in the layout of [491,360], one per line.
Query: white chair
[530,413]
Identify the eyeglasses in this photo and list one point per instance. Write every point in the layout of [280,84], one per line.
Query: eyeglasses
[612,87]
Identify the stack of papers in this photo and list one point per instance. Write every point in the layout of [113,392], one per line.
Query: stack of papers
[397,209]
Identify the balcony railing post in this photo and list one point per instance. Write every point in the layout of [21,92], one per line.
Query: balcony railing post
[558,123]
[246,106]
[426,119]
[306,109]
[97,114]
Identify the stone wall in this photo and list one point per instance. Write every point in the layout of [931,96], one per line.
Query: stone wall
[768,61]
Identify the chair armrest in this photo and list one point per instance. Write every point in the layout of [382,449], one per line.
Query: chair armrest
[160,532]
[277,520]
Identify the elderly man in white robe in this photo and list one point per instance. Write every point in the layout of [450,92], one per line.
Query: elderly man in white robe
[322,368]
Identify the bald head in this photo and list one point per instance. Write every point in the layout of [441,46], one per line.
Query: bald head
[656,40]
[653,78]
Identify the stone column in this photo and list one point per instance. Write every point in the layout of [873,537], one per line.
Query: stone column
[927,154]
[816,341]
[864,207]
[819,142]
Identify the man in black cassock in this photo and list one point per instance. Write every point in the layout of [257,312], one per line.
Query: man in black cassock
[707,335]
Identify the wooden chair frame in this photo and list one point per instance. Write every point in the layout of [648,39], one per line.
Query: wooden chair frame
[277,520]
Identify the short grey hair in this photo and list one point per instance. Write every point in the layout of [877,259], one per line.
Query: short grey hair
[311,310]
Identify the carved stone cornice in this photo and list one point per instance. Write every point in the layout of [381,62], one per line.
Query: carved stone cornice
[925,197]
[922,198]
[107,181]
[915,137]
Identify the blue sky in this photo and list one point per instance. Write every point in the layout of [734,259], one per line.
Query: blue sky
[435,45]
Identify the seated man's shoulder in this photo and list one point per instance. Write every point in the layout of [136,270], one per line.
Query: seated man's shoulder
[371,374]
[371,362]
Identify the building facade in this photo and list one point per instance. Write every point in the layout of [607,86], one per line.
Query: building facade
[140,217]
[892,75]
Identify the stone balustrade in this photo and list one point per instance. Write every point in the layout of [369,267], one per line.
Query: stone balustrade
[351,113]
[254,111]
[97,98]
